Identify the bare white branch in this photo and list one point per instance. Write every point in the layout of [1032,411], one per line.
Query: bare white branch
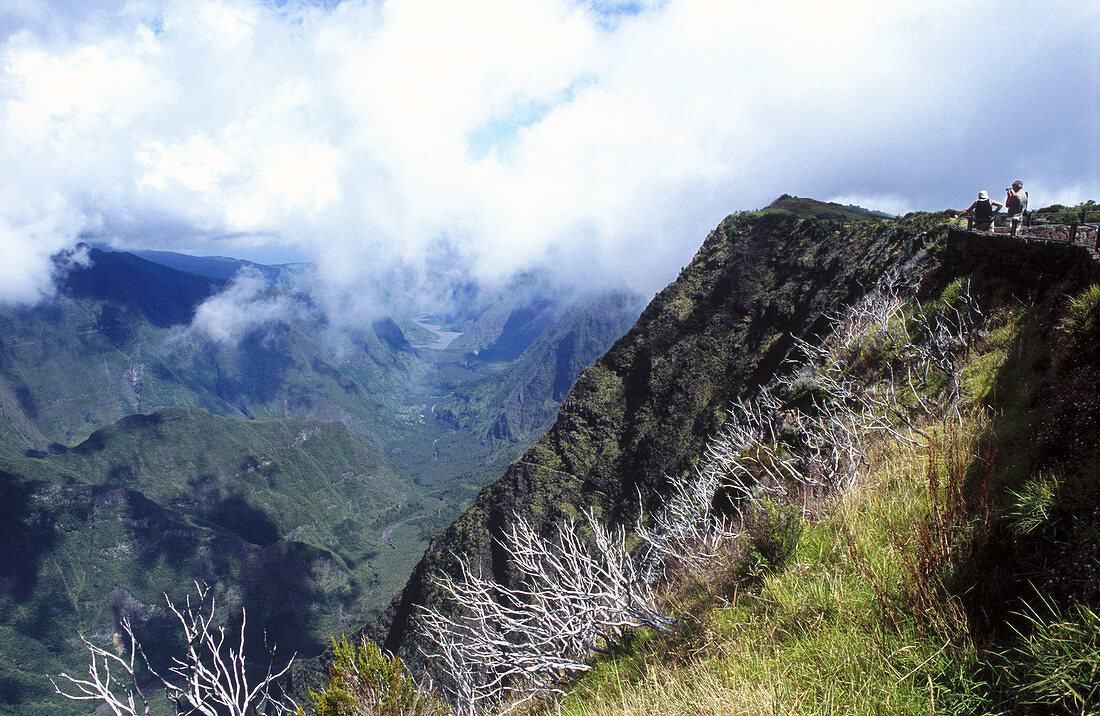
[577,592]
[752,459]
[121,695]
[210,678]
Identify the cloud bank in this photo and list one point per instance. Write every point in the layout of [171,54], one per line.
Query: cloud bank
[389,140]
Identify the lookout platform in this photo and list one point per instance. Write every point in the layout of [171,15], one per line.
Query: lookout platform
[1038,254]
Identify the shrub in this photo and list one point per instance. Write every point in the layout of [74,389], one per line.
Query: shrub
[363,681]
[773,530]
[1082,316]
[805,392]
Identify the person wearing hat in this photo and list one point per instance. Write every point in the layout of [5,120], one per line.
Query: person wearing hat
[983,210]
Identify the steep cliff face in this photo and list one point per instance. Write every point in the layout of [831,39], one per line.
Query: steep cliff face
[645,410]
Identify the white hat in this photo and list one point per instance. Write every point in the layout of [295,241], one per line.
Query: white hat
[983,194]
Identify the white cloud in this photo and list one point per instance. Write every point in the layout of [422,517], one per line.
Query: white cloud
[603,139]
[31,234]
[26,272]
[246,304]
[886,203]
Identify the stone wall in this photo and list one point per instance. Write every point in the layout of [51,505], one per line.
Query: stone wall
[1023,260]
[1085,235]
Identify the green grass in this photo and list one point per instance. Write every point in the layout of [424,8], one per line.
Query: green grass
[826,634]
[858,619]
[883,606]
[1082,315]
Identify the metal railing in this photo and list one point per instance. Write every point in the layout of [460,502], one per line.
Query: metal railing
[1073,218]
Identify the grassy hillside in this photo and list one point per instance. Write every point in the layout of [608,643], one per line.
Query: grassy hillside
[906,521]
[903,519]
[803,207]
[960,572]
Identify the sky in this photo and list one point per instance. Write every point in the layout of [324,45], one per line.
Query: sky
[387,141]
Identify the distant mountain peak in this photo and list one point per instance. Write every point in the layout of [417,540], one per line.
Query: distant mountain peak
[812,208]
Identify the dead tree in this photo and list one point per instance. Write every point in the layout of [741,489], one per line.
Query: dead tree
[750,460]
[576,593]
[210,678]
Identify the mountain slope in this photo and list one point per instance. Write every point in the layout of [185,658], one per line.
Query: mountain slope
[646,408]
[90,554]
[957,573]
[303,523]
[118,340]
[221,267]
[139,452]
[496,387]
[525,401]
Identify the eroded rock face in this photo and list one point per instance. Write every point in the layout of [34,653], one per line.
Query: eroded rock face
[646,408]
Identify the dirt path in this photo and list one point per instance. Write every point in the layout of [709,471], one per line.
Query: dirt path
[385,538]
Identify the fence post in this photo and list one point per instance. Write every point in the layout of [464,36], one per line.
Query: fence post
[1073,232]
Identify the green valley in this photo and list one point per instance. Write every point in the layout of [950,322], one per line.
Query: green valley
[298,468]
[302,523]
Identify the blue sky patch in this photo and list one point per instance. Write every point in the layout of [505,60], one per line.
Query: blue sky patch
[499,134]
[608,14]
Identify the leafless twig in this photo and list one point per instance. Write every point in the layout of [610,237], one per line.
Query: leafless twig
[210,678]
[577,593]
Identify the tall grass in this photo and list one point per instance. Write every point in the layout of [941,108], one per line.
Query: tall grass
[859,621]
[1057,663]
[877,607]
[1082,314]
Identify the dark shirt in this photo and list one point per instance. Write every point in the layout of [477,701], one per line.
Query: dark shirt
[1017,203]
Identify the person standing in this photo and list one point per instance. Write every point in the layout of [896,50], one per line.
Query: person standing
[982,210]
[1016,205]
